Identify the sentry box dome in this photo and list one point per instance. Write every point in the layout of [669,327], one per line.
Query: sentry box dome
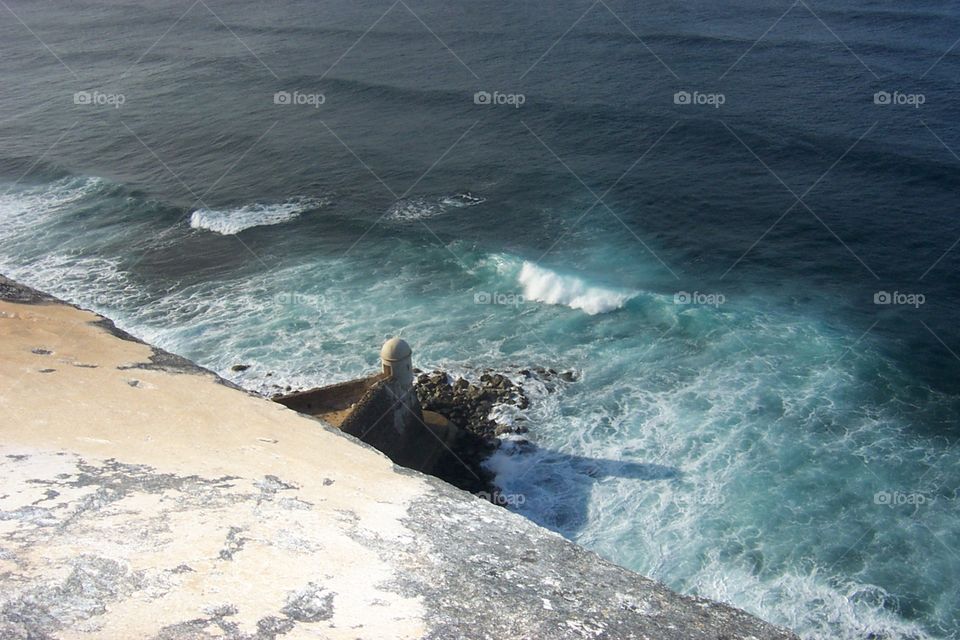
[396,357]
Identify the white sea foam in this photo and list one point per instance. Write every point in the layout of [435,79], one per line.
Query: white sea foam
[817,607]
[233,221]
[90,282]
[744,456]
[409,209]
[26,206]
[544,285]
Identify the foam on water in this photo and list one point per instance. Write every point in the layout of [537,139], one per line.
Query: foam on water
[23,207]
[550,287]
[772,505]
[419,208]
[233,221]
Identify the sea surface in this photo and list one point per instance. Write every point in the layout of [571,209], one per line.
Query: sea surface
[736,221]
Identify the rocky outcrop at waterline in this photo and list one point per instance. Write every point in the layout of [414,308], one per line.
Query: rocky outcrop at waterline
[469,404]
[471,407]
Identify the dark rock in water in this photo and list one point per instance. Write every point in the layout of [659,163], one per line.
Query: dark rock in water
[503,429]
[468,405]
[568,376]
[239,367]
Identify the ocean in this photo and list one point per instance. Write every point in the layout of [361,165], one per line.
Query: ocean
[735,222]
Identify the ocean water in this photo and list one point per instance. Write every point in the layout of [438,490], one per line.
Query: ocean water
[736,221]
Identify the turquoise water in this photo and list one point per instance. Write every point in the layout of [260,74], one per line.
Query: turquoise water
[740,450]
[758,297]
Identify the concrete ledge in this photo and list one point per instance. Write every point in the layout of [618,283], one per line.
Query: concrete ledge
[144,499]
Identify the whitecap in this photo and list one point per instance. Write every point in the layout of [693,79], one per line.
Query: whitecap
[550,287]
[419,208]
[23,208]
[233,221]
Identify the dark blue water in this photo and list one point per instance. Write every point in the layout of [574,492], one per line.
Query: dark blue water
[737,221]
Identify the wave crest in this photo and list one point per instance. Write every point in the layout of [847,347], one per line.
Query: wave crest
[550,287]
[233,221]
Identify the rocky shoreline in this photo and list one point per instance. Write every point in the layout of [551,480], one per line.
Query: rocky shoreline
[469,405]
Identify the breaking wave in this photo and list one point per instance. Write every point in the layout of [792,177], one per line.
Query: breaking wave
[544,285]
[233,221]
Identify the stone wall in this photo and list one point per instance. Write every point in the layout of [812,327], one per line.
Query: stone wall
[389,418]
[328,400]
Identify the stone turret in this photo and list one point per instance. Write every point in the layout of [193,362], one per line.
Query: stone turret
[396,357]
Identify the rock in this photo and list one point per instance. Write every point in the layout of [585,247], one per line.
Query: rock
[468,405]
[239,367]
[568,376]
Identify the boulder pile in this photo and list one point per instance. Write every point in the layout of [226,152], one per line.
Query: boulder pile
[468,405]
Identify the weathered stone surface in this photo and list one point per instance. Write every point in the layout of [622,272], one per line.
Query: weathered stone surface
[15,292]
[180,508]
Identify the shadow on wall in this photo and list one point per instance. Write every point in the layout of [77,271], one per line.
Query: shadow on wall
[553,489]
